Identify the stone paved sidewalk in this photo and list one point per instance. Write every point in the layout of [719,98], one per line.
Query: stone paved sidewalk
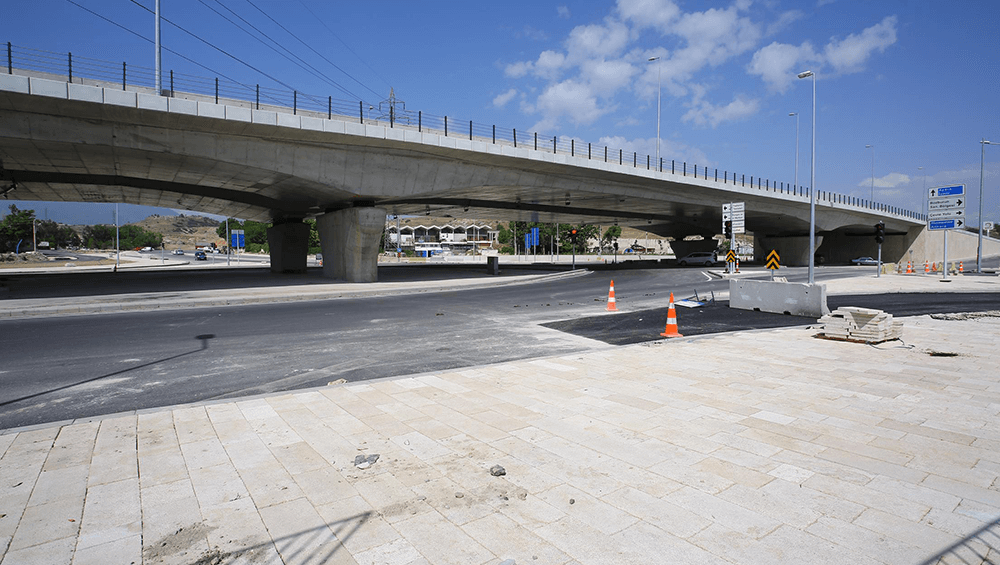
[754,447]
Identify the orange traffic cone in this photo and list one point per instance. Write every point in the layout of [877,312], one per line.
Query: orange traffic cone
[671,329]
[934,267]
[737,264]
[927,268]
[961,266]
[909,267]
[611,298]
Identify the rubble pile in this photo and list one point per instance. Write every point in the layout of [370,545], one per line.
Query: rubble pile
[863,325]
[30,257]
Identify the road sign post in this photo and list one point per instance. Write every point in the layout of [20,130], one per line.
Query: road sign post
[946,211]
[733,222]
[772,262]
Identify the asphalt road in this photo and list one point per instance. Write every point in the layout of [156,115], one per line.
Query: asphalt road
[72,367]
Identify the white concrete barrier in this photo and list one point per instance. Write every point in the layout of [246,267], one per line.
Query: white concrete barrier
[797,299]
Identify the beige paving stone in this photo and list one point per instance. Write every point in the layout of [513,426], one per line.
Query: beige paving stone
[111,466]
[111,513]
[733,472]
[192,424]
[875,545]
[56,552]
[661,513]
[930,497]
[356,524]
[681,470]
[73,446]
[455,503]
[783,440]
[269,485]
[127,549]
[299,458]
[232,527]
[822,466]
[6,439]
[324,486]
[204,453]
[592,480]
[218,485]
[645,543]
[590,510]
[716,509]
[396,552]
[421,446]
[581,542]
[441,542]
[393,500]
[248,454]
[155,432]
[162,466]
[507,539]
[869,497]
[906,531]
[60,483]
[302,536]
[166,508]
[48,522]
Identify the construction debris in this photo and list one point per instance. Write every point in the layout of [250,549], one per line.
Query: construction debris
[860,325]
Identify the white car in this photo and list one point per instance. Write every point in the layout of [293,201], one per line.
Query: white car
[864,261]
[700,258]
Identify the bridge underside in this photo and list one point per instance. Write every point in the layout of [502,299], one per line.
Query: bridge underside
[56,149]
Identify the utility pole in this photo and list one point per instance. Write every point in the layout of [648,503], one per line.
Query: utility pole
[158,86]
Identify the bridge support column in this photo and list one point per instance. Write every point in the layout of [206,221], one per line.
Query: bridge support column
[350,239]
[793,250]
[289,244]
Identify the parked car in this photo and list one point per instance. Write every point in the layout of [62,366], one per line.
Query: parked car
[200,256]
[178,252]
[699,258]
[146,249]
[864,261]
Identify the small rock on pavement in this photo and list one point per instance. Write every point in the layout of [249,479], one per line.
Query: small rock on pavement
[497,471]
[362,462]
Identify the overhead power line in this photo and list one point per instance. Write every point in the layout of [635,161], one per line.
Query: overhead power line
[298,61]
[342,42]
[148,40]
[313,50]
[219,49]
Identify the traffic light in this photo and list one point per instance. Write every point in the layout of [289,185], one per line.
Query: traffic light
[727,229]
[880,232]
[573,233]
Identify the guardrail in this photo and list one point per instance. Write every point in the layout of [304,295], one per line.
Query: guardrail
[107,74]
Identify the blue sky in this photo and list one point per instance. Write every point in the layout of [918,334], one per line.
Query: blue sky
[918,79]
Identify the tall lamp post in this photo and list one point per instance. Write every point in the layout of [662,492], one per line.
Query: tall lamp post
[796,114]
[872,147]
[812,184]
[982,166]
[658,66]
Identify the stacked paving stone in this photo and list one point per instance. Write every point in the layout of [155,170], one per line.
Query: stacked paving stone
[861,324]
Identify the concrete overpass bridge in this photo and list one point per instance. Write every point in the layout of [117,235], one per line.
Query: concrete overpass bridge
[99,142]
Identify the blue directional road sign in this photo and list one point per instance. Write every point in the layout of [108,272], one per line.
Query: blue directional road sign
[947,191]
[945,224]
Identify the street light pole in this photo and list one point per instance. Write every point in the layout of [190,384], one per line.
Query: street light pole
[796,114]
[658,90]
[812,184]
[982,166]
[872,147]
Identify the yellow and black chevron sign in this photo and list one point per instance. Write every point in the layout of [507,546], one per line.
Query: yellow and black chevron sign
[772,260]
[731,256]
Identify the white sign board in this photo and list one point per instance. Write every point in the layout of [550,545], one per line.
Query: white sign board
[946,207]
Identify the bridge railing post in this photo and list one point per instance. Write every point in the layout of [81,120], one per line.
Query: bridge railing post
[10,59]
[515,137]
[71,69]
[420,121]
[123,75]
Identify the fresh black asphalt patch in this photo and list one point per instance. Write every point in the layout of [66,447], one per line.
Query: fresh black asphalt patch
[624,328]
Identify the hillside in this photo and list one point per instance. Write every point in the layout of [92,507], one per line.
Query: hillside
[183,231]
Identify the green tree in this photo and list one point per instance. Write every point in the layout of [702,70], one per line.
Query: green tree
[16,228]
[610,236]
[234,224]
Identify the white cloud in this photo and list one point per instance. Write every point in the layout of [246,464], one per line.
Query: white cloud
[519,69]
[501,100]
[563,12]
[850,54]
[607,77]
[659,14]
[704,113]
[891,180]
[600,40]
[777,63]
[570,99]
[784,20]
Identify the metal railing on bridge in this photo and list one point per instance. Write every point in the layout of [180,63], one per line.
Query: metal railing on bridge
[107,74]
